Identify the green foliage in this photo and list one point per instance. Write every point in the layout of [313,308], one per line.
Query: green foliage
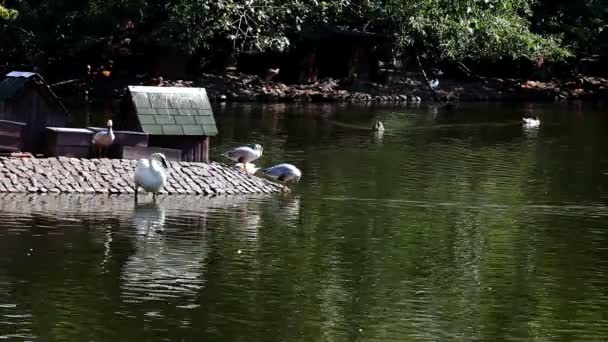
[249,24]
[465,29]
[7,13]
[583,23]
[441,29]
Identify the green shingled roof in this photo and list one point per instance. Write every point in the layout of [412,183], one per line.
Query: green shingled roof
[173,110]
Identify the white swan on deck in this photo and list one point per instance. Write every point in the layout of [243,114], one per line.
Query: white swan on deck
[284,173]
[151,174]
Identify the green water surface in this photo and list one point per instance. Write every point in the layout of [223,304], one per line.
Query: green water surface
[452,226]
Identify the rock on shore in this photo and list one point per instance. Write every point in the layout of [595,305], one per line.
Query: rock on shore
[236,87]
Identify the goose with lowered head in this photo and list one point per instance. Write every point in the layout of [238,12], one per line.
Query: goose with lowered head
[284,173]
[151,174]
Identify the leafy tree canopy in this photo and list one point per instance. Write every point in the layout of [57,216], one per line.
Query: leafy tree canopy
[7,14]
[443,29]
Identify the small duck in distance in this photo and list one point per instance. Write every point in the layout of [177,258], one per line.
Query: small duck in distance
[434,83]
[531,122]
[284,173]
[151,174]
[104,139]
[378,127]
[245,154]
[247,168]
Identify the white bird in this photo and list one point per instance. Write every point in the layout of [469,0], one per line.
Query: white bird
[103,139]
[151,174]
[378,126]
[245,154]
[434,83]
[284,173]
[531,122]
[247,168]
[271,73]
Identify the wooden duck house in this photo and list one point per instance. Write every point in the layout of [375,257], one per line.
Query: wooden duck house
[173,117]
[26,98]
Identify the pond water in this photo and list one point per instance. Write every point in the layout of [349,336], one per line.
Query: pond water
[453,226]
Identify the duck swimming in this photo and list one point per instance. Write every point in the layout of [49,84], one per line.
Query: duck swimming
[531,122]
[151,174]
[378,127]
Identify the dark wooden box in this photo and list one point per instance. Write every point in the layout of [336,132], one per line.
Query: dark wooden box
[135,152]
[11,135]
[126,138]
[68,142]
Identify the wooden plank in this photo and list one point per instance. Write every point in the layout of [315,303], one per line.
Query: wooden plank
[10,144]
[205,150]
[11,128]
[68,151]
[11,135]
[126,138]
[136,152]
[62,136]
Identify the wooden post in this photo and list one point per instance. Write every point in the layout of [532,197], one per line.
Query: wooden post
[205,147]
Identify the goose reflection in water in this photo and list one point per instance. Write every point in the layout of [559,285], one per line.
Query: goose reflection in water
[162,267]
[148,219]
[287,207]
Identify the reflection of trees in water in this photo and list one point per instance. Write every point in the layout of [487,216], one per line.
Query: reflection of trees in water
[158,251]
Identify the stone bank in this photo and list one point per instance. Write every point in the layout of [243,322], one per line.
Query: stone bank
[115,176]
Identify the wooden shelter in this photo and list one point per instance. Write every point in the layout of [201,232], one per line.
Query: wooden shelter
[25,97]
[173,117]
[11,136]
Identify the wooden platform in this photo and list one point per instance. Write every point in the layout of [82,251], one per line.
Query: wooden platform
[115,176]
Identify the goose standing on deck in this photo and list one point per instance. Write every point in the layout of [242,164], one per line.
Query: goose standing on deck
[104,139]
[245,154]
[151,174]
[284,173]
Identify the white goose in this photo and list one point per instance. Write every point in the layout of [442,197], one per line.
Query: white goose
[245,154]
[284,173]
[151,174]
[104,139]
[247,168]
[531,122]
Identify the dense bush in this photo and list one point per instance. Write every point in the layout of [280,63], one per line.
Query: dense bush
[441,29]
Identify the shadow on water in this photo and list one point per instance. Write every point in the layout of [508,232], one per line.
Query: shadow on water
[450,226]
